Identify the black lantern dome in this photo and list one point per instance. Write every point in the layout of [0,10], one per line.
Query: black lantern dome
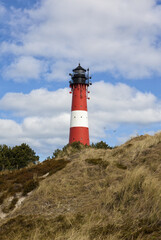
[79,69]
[80,76]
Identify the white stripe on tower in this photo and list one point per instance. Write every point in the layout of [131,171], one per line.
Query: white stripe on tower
[79,119]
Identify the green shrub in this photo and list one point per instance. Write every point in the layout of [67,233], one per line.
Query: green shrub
[56,153]
[76,145]
[16,157]
[101,145]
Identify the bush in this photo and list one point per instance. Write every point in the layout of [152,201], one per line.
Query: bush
[56,153]
[101,145]
[76,146]
[16,157]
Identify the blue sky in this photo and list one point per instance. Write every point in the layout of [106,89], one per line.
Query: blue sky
[42,41]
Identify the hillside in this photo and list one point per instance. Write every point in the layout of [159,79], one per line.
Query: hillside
[89,194]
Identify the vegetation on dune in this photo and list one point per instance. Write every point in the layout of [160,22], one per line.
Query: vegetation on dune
[101,145]
[27,179]
[97,161]
[39,228]
[68,149]
[16,157]
[101,194]
[77,146]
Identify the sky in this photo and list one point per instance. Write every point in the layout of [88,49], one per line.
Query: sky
[41,41]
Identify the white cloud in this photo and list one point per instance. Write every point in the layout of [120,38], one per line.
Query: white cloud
[45,115]
[58,71]
[112,105]
[56,126]
[24,68]
[10,127]
[122,37]
[39,102]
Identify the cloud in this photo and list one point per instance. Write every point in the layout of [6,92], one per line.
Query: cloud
[113,105]
[45,115]
[45,127]
[11,128]
[121,37]
[39,103]
[23,69]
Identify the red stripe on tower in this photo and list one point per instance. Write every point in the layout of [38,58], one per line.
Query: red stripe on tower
[79,116]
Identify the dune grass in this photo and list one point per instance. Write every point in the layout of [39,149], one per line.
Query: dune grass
[112,194]
[27,179]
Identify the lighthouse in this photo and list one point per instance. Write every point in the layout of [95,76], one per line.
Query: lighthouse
[79,83]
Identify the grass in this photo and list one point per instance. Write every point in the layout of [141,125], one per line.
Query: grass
[27,179]
[100,195]
[39,228]
[11,206]
[121,165]
[30,186]
[97,161]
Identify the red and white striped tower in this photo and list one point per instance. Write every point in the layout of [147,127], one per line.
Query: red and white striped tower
[79,116]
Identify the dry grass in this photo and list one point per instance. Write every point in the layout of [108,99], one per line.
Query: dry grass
[25,180]
[101,194]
